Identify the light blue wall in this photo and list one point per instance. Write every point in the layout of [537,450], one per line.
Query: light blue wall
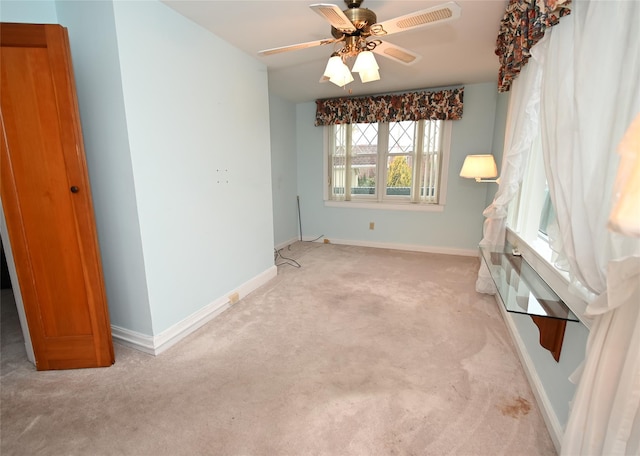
[34,11]
[554,376]
[499,130]
[459,226]
[178,156]
[94,49]
[199,141]
[283,170]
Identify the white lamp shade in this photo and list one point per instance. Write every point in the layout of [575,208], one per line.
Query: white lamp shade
[369,76]
[333,67]
[365,61]
[625,216]
[342,76]
[479,166]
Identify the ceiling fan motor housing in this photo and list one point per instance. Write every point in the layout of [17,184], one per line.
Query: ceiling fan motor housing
[361,18]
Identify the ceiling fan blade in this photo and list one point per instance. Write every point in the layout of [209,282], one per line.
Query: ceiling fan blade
[334,15]
[295,47]
[396,53]
[435,15]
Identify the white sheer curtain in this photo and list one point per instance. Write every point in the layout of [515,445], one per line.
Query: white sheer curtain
[590,95]
[521,130]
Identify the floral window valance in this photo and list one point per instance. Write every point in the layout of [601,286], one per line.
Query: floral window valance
[522,26]
[440,105]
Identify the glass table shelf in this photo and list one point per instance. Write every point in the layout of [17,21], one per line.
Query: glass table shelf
[520,287]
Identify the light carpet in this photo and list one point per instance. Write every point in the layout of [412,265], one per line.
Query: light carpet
[360,351]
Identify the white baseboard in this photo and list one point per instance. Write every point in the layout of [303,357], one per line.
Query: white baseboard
[284,244]
[394,246]
[155,345]
[548,414]
[133,339]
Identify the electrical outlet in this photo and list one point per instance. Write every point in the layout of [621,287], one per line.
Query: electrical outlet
[326,241]
[372,225]
[234,297]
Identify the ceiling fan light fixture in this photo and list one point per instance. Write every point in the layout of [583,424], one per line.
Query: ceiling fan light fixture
[365,62]
[334,66]
[352,29]
[338,72]
[342,76]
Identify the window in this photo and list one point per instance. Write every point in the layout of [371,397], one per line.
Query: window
[531,214]
[531,211]
[393,163]
[547,216]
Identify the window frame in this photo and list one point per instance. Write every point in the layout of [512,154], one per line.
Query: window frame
[381,200]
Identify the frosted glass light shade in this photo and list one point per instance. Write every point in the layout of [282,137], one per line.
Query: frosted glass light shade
[333,67]
[479,167]
[365,61]
[342,76]
[369,75]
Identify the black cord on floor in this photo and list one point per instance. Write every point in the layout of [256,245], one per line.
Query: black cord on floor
[314,240]
[287,261]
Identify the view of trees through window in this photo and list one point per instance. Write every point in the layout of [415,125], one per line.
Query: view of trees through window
[399,173]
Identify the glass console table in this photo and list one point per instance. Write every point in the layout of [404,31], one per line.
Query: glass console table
[523,291]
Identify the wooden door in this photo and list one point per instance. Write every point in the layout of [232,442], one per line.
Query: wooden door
[47,200]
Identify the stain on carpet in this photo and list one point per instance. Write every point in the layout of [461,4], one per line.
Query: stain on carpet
[516,408]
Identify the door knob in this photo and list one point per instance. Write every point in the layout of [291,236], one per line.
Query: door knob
[74,189]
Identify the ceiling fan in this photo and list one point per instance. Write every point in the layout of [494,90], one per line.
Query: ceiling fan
[356,32]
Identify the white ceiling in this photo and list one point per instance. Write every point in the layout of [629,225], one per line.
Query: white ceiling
[456,52]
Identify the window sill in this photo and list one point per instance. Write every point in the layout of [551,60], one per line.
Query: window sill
[412,207]
[538,255]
